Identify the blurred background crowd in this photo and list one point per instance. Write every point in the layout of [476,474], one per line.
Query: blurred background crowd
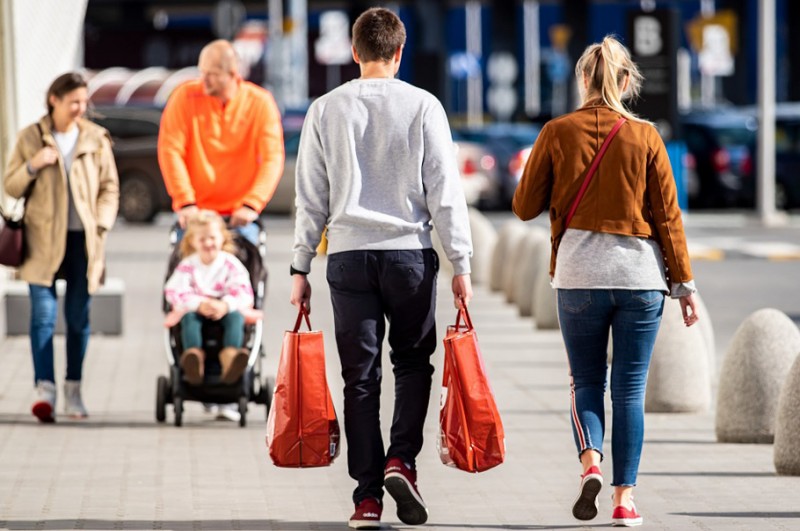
[500,67]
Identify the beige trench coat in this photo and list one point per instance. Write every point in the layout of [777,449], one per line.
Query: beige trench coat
[95,192]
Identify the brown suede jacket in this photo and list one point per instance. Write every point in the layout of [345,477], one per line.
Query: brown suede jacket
[632,192]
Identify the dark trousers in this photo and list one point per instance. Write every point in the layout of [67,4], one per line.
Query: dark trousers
[367,288]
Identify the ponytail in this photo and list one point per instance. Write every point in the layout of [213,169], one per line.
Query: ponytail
[602,72]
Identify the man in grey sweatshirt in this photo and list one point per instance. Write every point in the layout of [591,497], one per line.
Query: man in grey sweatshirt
[377,166]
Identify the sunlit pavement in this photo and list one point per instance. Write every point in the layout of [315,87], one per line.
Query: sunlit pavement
[121,470]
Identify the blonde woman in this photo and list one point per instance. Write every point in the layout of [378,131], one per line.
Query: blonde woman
[67,163]
[609,264]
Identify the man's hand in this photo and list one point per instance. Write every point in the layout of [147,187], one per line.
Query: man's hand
[687,303]
[185,213]
[243,216]
[213,309]
[462,289]
[301,292]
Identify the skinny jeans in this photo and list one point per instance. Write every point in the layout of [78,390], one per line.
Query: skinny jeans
[633,316]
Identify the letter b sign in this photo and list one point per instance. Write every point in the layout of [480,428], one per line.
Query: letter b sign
[647,39]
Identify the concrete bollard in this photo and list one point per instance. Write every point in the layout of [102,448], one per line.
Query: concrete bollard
[512,262]
[502,252]
[679,379]
[525,273]
[545,310]
[484,239]
[786,452]
[755,366]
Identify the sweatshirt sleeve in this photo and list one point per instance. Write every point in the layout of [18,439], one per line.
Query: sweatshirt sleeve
[443,191]
[312,192]
[270,153]
[173,138]
[238,291]
[532,196]
[179,289]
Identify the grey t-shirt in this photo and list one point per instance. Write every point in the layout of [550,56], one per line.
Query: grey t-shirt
[598,260]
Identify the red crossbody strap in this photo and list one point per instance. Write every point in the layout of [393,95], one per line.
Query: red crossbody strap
[593,168]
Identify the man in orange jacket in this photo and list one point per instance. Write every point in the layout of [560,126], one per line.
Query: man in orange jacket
[220,144]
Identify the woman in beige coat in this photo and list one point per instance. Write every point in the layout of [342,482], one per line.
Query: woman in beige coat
[68,163]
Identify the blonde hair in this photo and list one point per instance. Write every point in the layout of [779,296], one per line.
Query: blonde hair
[205,218]
[602,71]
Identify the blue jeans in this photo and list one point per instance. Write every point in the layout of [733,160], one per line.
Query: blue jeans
[249,232]
[633,316]
[44,306]
[367,289]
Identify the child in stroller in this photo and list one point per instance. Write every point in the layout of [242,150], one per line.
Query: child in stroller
[212,301]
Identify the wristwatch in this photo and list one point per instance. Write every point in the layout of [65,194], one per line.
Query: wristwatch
[293,271]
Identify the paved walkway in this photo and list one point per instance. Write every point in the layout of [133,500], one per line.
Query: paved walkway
[121,470]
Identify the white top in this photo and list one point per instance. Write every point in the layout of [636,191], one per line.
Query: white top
[225,278]
[66,143]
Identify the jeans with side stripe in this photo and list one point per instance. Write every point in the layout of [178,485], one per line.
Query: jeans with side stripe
[633,317]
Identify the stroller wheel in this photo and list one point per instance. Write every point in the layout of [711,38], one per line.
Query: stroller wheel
[243,411]
[162,391]
[178,403]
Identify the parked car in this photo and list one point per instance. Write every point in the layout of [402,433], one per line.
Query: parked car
[508,145]
[722,157]
[478,170]
[720,144]
[135,134]
[787,156]
[142,191]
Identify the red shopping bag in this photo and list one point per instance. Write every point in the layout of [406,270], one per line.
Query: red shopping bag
[471,436]
[302,429]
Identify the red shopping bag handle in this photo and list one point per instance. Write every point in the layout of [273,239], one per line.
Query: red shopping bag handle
[463,313]
[302,313]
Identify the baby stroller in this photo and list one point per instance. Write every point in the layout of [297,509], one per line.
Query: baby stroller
[173,389]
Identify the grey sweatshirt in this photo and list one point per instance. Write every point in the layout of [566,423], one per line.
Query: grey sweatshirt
[377,166]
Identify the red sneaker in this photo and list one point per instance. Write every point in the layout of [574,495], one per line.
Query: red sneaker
[401,483]
[624,517]
[586,504]
[367,515]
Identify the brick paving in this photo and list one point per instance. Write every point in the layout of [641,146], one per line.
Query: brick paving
[121,470]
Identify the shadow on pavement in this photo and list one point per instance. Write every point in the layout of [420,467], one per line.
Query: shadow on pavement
[745,514]
[230,525]
[92,423]
[713,474]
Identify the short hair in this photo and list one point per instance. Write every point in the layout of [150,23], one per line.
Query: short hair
[377,34]
[64,84]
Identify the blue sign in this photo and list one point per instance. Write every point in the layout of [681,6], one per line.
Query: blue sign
[464,65]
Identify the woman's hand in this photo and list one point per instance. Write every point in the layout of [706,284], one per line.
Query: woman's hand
[46,156]
[688,303]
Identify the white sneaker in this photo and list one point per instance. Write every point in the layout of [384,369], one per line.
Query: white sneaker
[228,412]
[45,406]
[73,404]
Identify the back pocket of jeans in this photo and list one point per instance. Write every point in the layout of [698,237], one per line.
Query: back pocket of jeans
[574,300]
[648,297]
